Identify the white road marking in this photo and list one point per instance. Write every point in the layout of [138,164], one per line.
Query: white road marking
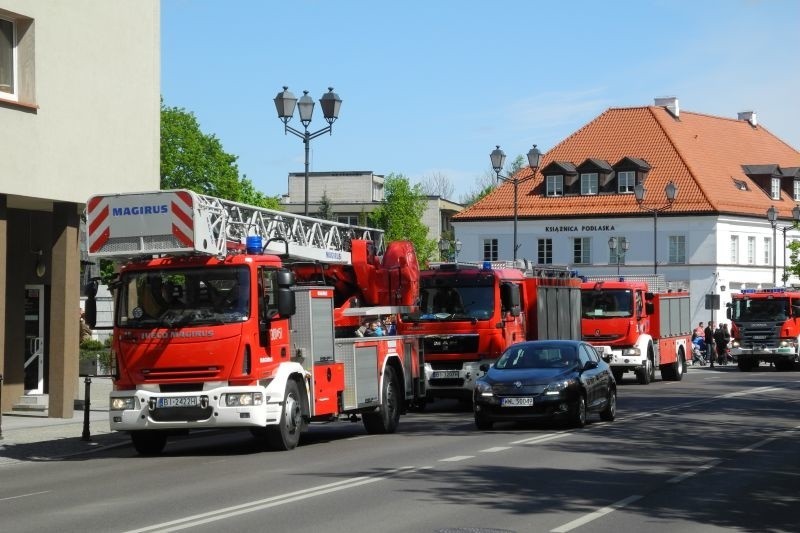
[18,496]
[541,438]
[597,514]
[496,449]
[456,458]
[756,445]
[695,471]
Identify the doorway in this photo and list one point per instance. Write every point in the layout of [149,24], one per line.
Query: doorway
[34,339]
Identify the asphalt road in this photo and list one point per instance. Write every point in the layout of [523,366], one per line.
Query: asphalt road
[716,451]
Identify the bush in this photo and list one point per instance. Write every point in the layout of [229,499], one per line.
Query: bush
[91,344]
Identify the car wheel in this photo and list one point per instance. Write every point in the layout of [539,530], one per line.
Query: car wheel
[610,412]
[482,422]
[578,415]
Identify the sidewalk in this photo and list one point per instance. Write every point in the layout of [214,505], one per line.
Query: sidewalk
[32,436]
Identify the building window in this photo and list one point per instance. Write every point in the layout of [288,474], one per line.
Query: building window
[767,250]
[581,251]
[735,249]
[626,180]
[348,219]
[751,250]
[8,53]
[677,249]
[555,185]
[796,190]
[544,254]
[589,183]
[490,249]
[776,189]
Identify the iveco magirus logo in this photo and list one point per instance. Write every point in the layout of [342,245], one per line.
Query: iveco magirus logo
[518,384]
[597,333]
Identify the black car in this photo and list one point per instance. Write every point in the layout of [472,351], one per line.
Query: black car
[547,379]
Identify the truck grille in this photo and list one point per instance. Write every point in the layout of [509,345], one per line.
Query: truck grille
[181,414]
[765,335]
[464,344]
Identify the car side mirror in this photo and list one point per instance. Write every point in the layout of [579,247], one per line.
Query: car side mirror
[590,365]
[484,367]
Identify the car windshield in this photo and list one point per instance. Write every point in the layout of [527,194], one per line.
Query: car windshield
[543,356]
[749,309]
[454,303]
[606,303]
[183,297]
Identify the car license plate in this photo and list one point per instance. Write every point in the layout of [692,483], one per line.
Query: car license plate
[439,374]
[517,402]
[177,401]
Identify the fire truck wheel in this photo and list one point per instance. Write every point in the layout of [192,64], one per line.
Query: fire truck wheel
[286,435]
[610,412]
[578,413]
[617,375]
[644,373]
[674,371]
[386,418]
[149,442]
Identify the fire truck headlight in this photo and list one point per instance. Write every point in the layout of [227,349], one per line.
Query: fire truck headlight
[785,343]
[631,352]
[484,389]
[122,404]
[243,399]
[735,344]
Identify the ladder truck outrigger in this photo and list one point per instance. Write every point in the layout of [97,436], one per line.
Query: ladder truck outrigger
[233,316]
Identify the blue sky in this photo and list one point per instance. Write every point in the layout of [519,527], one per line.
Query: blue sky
[430,87]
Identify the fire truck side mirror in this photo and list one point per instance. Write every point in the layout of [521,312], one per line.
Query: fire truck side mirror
[285,302]
[649,308]
[90,306]
[729,311]
[509,298]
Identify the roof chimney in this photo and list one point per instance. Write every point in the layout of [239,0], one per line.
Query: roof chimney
[749,116]
[671,104]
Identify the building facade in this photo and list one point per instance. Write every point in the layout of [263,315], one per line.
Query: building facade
[714,237]
[80,108]
[353,195]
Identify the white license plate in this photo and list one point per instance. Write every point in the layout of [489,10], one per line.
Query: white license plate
[517,402]
[439,374]
[178,401]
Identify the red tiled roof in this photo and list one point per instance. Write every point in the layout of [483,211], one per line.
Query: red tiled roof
[701,154]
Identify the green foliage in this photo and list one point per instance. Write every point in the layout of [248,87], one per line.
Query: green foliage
[793,266]
[191,159]
[400,216]
[325,210]
[91,344]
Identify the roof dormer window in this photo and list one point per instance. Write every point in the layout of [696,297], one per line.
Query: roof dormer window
[775,189]
[555,185]
[796,190]
[589,183]
[629,171]
[626,181]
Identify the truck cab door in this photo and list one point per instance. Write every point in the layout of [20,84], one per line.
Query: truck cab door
[511,312]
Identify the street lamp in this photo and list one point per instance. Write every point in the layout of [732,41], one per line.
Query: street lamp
[772,216]
[449,249]
[285,103]
[624,245]
[498,158]
[671,191]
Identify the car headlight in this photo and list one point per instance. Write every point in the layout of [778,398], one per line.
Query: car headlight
[556,388]
[484,389]
[243,399]
[122,403]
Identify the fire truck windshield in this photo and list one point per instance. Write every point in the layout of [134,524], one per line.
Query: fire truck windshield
[455,303]
[759,309]
[183,297]
[607,303]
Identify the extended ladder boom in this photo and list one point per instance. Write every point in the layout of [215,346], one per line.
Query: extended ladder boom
[184,222]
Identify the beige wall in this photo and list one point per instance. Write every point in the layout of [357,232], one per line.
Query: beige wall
[95,128]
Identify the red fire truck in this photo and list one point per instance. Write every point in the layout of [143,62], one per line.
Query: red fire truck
[469,313]
[637,330]
[765,326]
[230,316]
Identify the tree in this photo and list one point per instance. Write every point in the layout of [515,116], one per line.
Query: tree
[191,159]
[484,184]
[437,184]
[325,210]
[400,215]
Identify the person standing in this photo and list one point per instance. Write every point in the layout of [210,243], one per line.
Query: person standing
[709,337]
[721,338]
[699,331]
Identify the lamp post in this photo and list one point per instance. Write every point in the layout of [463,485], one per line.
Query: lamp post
[498,158]
[623,246]
[671,192]
[772,216]
[285,104]
[449,249]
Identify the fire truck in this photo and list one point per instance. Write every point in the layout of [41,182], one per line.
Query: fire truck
[765,326]
[233,316]
[470,312]
[637,330]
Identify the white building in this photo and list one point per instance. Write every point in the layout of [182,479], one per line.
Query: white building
[714,238]
[80,109]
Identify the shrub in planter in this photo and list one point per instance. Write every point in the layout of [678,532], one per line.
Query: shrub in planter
[94,358]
